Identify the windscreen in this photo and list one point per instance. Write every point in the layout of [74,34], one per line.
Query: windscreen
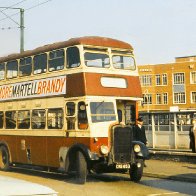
[123,62]
[99,60]
[102,111]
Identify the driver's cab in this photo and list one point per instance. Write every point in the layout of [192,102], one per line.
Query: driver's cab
[96,115]
[126,112]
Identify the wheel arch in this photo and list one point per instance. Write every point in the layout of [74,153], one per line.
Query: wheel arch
[67,156]
[3,143]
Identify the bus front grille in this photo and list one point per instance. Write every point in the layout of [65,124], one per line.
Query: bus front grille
[122,144]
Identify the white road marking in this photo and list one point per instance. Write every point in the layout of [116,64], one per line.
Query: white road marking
[170,193]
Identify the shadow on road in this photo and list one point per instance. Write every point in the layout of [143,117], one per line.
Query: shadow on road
[70,178]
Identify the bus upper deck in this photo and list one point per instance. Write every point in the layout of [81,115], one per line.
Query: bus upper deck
[105,63]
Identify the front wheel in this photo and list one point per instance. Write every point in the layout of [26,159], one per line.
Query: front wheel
[136,171]
[4,158]
[81,168]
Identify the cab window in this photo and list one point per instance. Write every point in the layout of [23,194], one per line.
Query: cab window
[82,116]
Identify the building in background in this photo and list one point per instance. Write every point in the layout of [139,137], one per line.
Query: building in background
[169,101]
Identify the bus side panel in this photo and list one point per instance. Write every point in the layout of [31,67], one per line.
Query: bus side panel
[23,144]
[39,150]
[53,146]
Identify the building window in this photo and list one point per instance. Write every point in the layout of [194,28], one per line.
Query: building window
[193,77]
[158,98]
[179,78]
[147,99]
[193,97]
[146,80]
[165,98]
[164,79]
[158,80]
[179,97]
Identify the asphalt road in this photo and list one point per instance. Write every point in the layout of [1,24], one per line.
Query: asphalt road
[107,184]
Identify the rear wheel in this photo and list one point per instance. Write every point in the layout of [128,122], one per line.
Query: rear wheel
[81,168]
[136,171]
[4,158]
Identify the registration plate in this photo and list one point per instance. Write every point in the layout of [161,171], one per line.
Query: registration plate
[122,166]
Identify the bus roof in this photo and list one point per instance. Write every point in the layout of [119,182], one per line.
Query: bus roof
[88,40]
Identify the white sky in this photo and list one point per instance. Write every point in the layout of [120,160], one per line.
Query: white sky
[159,30]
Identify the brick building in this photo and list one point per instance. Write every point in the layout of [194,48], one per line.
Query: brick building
[169,101]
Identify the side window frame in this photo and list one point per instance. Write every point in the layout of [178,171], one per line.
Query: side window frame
[40,68]
[70,115]
[53,56]
[12,64]
[71,57]
[27,65]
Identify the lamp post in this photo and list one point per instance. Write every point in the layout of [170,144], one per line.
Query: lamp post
[21,25]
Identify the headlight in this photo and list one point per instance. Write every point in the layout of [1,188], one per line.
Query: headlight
[137,148]
[104,150]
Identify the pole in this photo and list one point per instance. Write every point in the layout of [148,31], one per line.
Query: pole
[21,30]
[21,25]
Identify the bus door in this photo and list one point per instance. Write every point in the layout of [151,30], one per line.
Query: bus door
[126,112]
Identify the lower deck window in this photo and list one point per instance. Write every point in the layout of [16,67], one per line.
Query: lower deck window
[1,119]
[55,118]
[10,119]
[23,119]
[38,119]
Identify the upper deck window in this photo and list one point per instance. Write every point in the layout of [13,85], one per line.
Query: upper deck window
[25,66]
[123,62]
[96,60]
[40,63]
[73,57]
[56,60]
[12,69]
[2,71]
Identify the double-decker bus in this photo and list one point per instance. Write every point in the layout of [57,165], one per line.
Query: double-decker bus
[71,106]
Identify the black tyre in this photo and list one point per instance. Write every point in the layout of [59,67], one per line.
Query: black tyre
[81,168]
[137,172]
[4,159]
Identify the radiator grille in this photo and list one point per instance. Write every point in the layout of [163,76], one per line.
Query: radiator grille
[122,144]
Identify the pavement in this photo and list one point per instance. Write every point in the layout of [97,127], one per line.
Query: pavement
[170,166]
[15,187]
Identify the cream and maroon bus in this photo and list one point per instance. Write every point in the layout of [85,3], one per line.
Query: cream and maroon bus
[71,106]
